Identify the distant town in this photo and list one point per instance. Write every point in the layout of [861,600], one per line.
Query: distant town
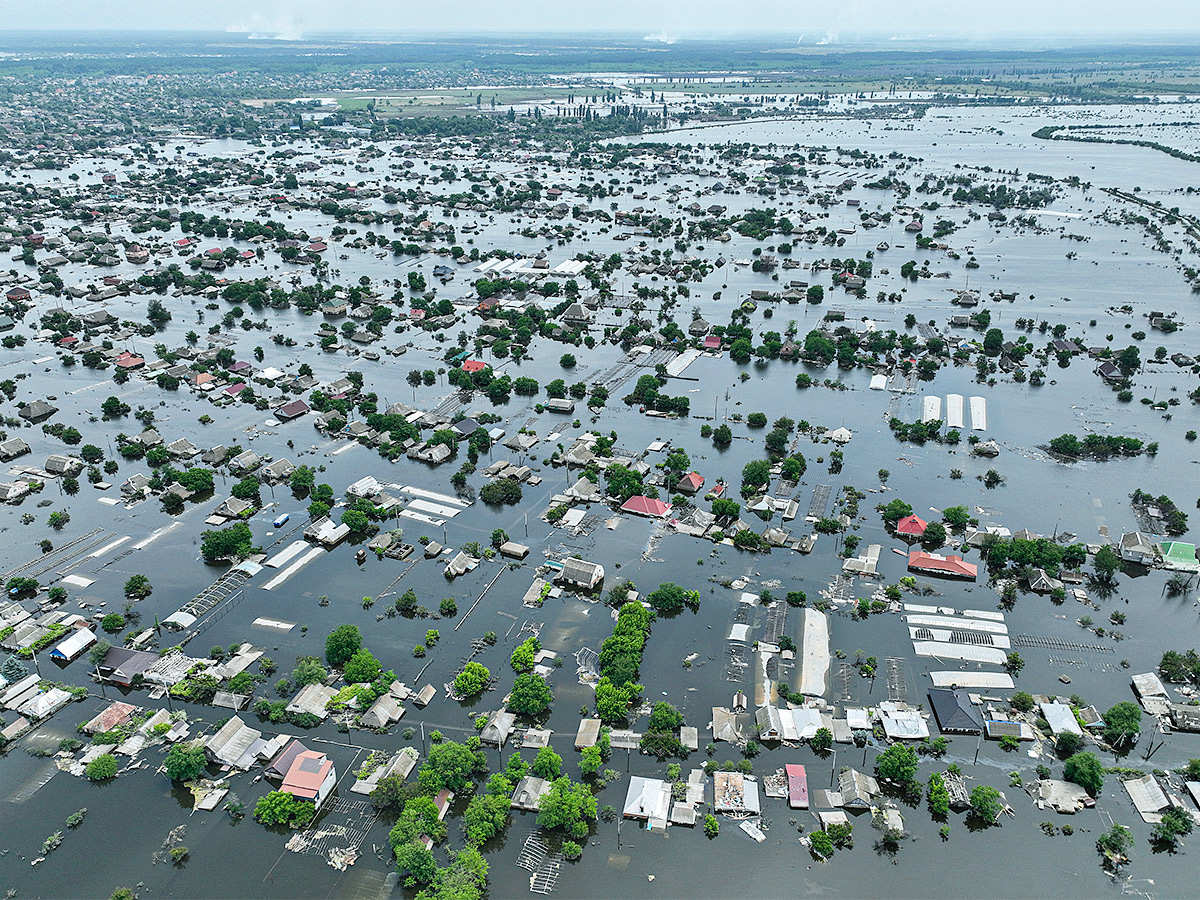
[452,470]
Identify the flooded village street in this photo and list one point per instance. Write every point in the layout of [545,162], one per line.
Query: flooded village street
[851,430]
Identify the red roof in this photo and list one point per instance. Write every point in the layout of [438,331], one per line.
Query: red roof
[474,365]
[913,525]
[712,342]
[797,786]
[646,506]
[950,565]
[306,775]
[692,481]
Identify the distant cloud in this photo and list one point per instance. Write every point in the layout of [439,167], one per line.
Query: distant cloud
[661,37]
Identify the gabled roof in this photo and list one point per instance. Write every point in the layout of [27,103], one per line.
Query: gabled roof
[646,506]
[951,565]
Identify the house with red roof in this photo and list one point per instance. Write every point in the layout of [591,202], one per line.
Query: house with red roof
[691,483]
[712,342]
[950,566]
[646,506]
[911,526]
[472,366]
[311,777]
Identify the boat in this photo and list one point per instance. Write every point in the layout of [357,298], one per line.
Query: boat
[360,557]
[280,521]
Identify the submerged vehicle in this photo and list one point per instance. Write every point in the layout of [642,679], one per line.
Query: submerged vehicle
[280,521]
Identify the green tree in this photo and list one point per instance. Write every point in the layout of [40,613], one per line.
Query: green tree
[822,741]
[1123,724]
[567,805]
[472,679]
[530,695]
[1176,822]
[547,764]
[138,586]
[894,511]
[1022,701]
[1085,770]
[362,667]
[985,803]
[897,763]
[1106,563]
[185,762]
[234,542]
[525,653]
[343,642]
[711,826]
[449,765]
[938,796]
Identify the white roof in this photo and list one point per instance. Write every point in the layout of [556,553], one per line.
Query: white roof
[71,646]
[647,798]
[1060,718]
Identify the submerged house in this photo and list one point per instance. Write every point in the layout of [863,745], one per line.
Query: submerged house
[581,573]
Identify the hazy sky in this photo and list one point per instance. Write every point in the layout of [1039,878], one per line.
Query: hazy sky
[832,20]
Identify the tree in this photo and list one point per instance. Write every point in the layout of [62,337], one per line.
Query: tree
[501,492]
[722,436]
[185,762]
[896,510]
[897,763]
[711,826]
[138,586]
[526,652]
[392,792]
[822,741]
[1068,744]
[567,805]
[486,816]
[567,361]
[934,536]
[985,803]
[1022,701]
[343,642]
[530,695]
[1123,724]
[235,541]
[1175,823]
[664,718]
[547,764]
[1115,842]
[591,760]
[449,765]
[472,679]
[755,474]
[247,489]
[1085,770]
[821,844]
[993,342]
[938,796]
[101,768]
[957,517]
[281,808]
[309,671]
[723,508]
[464,879]
[362,667]
[1107,564]
[667,597]
[1013,663]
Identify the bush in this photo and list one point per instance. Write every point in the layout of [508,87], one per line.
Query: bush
[711,826]
[101,768]
[113,623]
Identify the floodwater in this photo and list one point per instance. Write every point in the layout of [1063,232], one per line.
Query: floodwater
[120,841]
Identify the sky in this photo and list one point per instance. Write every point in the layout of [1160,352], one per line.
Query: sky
[657,20]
